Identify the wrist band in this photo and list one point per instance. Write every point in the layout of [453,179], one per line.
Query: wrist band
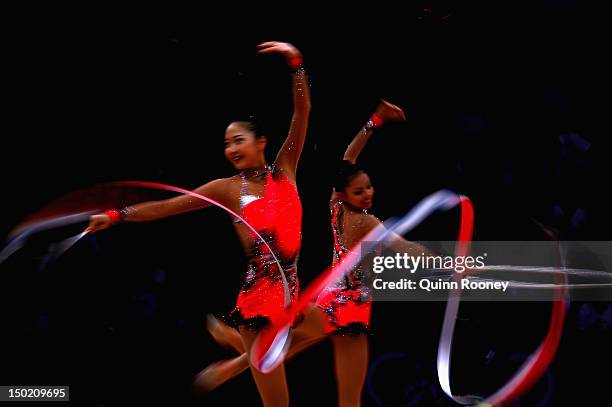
[374,122]
[295,63]
[114,215]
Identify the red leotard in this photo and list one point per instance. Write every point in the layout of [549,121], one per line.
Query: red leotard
[277,217]
[348,303]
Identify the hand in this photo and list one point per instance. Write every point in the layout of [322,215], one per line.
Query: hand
[388,112]
[284,48]
[98,222]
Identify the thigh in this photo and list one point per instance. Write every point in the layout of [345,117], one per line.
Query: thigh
[311,328]
[272,386]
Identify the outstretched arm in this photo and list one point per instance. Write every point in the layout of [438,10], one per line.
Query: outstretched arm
[400,245]
[290,152]
[154,210]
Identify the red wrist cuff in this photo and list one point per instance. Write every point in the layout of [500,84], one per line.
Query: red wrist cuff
[376,120]
[114,215]
[296,62]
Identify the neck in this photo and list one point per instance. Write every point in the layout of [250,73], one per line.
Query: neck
[354,208]
[256,171]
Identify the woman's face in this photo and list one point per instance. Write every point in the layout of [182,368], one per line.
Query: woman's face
[242,148]
[359,192]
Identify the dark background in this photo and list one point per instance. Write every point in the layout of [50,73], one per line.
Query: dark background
[503,106]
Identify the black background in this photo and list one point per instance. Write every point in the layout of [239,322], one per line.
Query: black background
[492,94]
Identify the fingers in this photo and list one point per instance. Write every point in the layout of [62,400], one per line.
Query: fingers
[92,228]
[280,47]
[268,44]
[95,224]
[399,113]
[394,112]
[269,50]
[389,105]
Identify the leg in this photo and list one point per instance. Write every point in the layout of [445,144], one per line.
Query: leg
[307,334]
[218,373]
[225,336]
[351,356]
[272,386]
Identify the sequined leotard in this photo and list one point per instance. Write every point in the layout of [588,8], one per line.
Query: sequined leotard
[348,303]
[277,217]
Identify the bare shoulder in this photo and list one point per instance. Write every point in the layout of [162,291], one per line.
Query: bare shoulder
[219,189]
[215,185]
[370,222]
[359,224]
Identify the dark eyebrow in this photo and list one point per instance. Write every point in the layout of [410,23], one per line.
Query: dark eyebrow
[234,137]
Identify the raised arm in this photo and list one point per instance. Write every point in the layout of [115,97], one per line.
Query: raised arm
[154,210]
[289,154]
[385,112]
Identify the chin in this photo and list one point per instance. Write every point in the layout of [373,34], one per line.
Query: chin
[238,166]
